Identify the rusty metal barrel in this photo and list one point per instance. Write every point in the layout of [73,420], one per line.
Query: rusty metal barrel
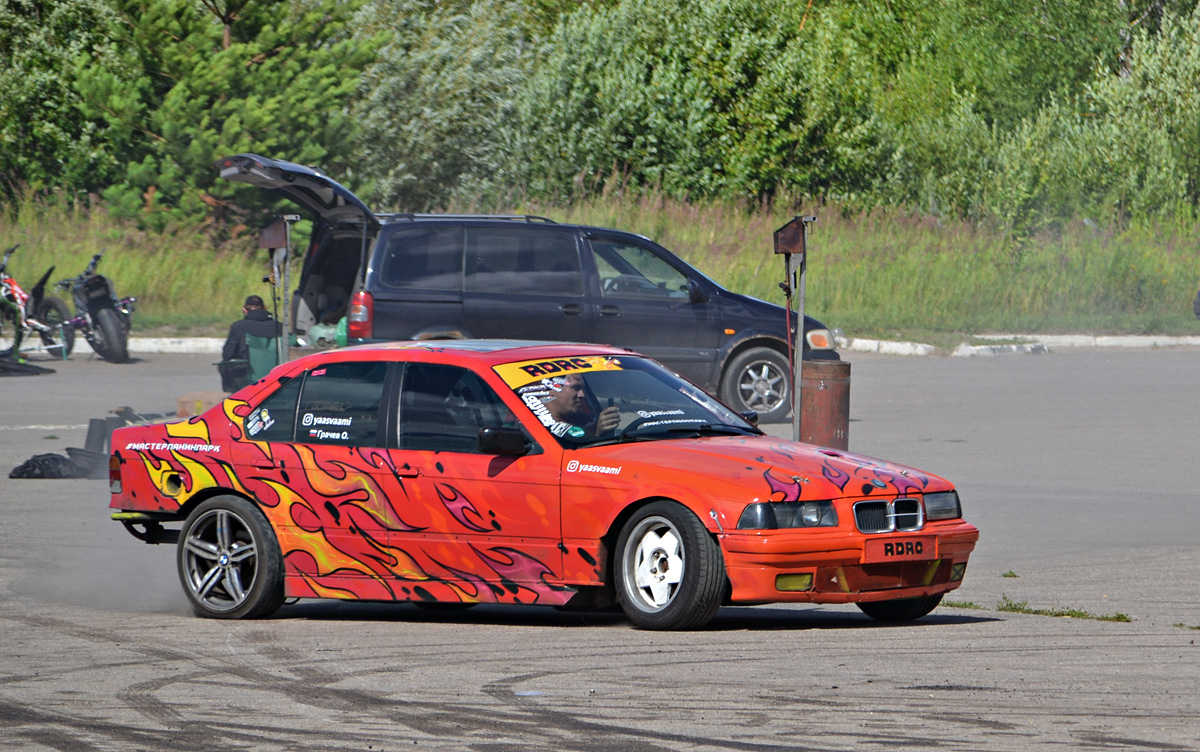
[825,403]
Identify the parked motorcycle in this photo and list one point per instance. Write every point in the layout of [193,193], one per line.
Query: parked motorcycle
[101,317]
[30,312]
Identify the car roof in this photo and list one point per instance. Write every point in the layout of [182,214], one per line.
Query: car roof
[486,351]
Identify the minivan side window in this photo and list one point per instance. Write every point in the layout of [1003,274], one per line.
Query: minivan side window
[442,409]
[628,270]
[340,404]
[423,258]
[522,261]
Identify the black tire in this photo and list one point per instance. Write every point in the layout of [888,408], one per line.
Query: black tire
[108,337]
[225,544]
[8,330]
[759,379]
[53,312]
[682,571]
[904,609]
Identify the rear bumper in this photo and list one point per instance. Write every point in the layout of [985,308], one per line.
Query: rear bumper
[832,567]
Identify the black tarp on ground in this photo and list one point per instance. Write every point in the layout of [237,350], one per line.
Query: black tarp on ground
[12,367]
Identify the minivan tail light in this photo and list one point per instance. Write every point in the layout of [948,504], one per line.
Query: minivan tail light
[361,316]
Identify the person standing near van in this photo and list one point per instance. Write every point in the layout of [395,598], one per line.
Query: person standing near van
[257,321]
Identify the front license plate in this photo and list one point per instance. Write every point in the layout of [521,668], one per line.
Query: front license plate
[919,548]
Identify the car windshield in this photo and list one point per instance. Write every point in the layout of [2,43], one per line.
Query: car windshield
[592,400]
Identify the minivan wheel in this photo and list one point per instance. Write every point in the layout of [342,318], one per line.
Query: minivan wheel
[759,379]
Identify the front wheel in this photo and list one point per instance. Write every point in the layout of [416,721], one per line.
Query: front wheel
[108,338]
[669,570]
[229,560]
[759,379]
[903,609]
[10,323]
[53,312]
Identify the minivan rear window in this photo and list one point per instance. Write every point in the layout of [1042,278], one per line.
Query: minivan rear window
[522,261]
[423,258]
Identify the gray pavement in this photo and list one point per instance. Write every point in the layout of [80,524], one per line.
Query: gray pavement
[1076,465]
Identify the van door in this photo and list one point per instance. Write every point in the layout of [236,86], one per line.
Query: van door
[524,282]
[416,281]
[642,300]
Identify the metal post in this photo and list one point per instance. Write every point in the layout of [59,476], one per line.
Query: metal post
[289,220]
[797,263]
[791,240]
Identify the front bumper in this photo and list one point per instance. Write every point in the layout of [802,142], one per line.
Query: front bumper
[765,567]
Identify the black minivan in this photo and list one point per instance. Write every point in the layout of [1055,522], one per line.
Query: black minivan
[443,276]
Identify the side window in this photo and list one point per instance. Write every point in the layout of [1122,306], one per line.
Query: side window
[442,409]
[628,270]
[522,260]
[275,417]
[423,258]
[340,404]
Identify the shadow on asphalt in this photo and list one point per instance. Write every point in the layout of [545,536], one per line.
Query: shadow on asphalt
[728,619]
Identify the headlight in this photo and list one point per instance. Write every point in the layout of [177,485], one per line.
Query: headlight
[942,506]
[819,339]
[788,514]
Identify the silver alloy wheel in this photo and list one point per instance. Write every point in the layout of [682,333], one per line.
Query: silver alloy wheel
[220,560]
[762,386]
[654,563]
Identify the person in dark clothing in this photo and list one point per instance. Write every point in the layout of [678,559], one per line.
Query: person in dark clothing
[257,321]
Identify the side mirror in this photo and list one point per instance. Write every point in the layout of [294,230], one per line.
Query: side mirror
[506,441]
[696,293]
[750,416]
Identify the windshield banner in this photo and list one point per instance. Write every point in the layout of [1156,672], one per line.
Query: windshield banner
[517,375]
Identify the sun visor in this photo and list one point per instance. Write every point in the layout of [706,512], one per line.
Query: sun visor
[312,189]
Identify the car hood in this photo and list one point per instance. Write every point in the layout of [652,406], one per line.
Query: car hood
[754,468]
[312,189]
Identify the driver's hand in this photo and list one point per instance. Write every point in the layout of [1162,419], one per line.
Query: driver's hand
[608,420]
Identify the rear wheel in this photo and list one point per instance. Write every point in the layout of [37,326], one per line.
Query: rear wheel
[904,609]
[229,560]
[669,570]
[108,338]
[53,312]
[759,379]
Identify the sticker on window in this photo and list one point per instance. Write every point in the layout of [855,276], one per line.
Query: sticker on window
[259,421]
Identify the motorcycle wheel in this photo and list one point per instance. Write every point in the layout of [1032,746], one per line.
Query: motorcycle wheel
[53,312]
[8,331]
[108,337]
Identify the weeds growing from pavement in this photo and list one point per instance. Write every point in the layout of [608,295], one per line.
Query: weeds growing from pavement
[1008,605]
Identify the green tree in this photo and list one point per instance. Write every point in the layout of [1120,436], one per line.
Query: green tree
[281,87]
[435,97]
[46,140]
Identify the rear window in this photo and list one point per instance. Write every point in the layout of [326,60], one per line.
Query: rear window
[423,258]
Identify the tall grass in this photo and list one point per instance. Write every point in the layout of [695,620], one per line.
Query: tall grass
[181,282]
[883,273]
[889,273]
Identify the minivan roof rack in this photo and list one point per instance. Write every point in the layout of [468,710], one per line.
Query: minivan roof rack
[515,217]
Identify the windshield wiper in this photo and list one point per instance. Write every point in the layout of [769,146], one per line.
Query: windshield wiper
[715,429]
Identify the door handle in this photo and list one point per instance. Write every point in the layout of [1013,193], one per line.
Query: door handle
[571,309]
[265,464]
[610,310]
[408,472]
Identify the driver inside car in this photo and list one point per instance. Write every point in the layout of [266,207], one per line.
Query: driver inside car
[571,404]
